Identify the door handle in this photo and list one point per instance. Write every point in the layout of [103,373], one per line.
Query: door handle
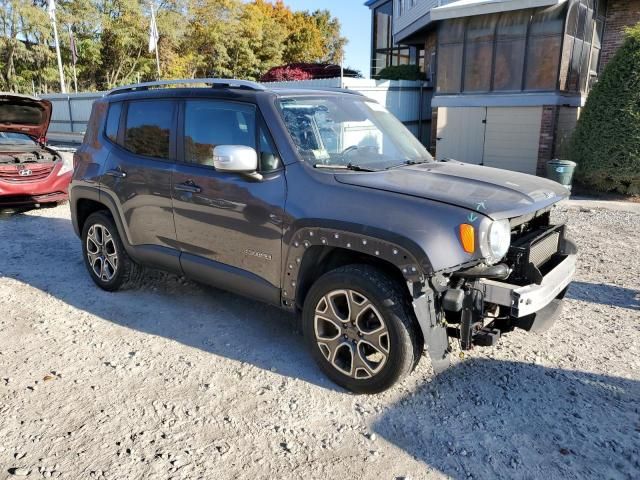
[438,138]
[116,172]
[187,187]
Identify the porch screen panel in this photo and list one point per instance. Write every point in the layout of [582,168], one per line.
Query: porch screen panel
[479,53]
[545,43]
[450,51]
[511,37]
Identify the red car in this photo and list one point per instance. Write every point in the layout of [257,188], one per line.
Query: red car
[31,173]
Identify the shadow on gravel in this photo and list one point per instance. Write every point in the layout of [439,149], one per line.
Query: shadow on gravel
[605,294]
[564,424]
[46,254]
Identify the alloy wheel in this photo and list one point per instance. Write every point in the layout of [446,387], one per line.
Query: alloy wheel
[102,252]
[351,333]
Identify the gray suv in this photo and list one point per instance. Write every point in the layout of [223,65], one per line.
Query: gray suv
[323,204]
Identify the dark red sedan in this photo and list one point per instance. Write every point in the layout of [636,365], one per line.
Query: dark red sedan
[30,172]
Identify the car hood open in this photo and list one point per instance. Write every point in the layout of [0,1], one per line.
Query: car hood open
[492,192]
[24,114]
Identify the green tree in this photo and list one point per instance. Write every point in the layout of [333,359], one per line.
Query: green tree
[606,142]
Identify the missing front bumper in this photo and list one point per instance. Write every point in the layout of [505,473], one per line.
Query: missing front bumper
[526,300]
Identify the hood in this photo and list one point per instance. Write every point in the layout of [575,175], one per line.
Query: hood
[23,114]
[493,192]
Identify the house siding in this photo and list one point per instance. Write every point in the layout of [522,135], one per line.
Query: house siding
[411,14]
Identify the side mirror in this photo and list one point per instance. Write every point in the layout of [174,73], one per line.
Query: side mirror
[235,158]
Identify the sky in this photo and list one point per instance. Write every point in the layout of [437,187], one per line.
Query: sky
[355,19]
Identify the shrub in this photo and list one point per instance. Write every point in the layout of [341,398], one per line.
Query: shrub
[307,71]
[402,72]
[606,142]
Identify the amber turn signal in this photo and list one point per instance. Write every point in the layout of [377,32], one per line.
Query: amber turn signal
[468,238]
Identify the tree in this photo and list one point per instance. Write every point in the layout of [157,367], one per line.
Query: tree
[606,142]
[198,38]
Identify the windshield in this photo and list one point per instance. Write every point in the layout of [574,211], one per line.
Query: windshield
[11,138]
[347,130]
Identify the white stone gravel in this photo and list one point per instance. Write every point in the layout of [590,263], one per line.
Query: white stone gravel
[177,380]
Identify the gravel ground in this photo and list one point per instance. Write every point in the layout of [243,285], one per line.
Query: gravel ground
[176,380]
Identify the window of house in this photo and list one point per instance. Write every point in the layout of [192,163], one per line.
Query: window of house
[545,43]
[450,52]
[148,127]
[581,53]
[479,53]
[113,121]
[511,37]
[209,123]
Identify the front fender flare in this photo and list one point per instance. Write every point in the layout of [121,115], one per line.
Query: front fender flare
[401,256]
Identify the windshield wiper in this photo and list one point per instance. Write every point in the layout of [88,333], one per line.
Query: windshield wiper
[406,163]
[348,166]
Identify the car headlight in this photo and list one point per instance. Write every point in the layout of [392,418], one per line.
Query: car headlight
[67,164]
[497,241]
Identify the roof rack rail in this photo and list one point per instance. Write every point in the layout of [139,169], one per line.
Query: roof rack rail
[338,90]
[212,82]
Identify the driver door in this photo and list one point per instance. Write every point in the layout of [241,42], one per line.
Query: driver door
[228,225]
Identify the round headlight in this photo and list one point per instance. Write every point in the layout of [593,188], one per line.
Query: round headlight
[498,241]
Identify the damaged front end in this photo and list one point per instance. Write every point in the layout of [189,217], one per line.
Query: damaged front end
[478,304]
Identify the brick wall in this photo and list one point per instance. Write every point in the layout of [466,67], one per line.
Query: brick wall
[620,14]
[546,146]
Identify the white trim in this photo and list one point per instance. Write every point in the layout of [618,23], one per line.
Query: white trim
[508,100]
[467,8]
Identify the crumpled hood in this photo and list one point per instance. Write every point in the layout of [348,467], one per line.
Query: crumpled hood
[493,192]
[24,114]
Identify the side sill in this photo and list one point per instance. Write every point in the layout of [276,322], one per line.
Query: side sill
[232,279]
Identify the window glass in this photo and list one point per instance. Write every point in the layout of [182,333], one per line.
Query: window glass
[269,159]
[148,129]
[479,53]
[513,25]
[113,121]
[549,21]
[208,124]
[477,71]
[449,68]
[510,49]
[452,31]
[543,62]
[509,64]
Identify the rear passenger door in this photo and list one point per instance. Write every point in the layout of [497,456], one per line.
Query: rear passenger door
[229,225]
[138,173]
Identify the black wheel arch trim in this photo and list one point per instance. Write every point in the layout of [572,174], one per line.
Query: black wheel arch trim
[399,251]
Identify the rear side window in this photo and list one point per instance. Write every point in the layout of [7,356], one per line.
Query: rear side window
[113,121]
[148,127]
[209,123]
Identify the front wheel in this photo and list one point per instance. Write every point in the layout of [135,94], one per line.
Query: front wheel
[361,329]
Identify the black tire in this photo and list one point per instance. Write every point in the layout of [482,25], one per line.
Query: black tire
[128,273]
[404,341]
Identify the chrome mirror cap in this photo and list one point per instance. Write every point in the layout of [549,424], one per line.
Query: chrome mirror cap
[235,158]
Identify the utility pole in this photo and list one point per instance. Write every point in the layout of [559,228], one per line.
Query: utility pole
[52,15]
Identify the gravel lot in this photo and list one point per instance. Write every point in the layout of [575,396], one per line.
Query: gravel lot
[177,380]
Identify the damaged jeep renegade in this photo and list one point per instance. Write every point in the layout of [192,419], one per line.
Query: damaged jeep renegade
[323,204]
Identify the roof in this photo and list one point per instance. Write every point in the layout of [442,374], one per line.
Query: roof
[467,8]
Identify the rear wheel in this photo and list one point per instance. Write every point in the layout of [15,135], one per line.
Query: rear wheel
[361,329]
[104,255]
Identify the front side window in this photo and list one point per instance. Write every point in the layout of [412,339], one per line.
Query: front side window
[148,128]
[209,123]
[349,130]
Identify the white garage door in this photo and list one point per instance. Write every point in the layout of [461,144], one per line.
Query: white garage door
[501,137]
[460,133]
[512,138]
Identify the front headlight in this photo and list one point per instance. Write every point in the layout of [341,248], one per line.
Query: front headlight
[67,163]
[497,241]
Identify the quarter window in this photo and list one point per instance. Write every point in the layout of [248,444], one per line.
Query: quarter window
[113,121]
[148,129]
